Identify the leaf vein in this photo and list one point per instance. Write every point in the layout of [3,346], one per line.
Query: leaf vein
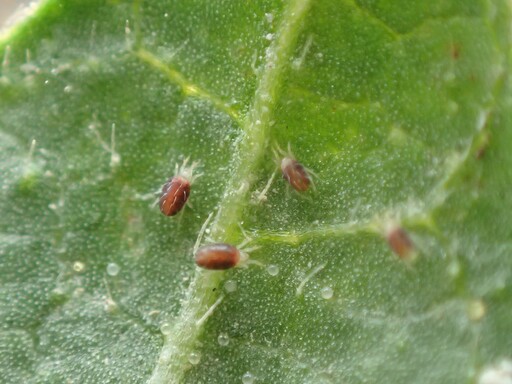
[187,87]
[201,294]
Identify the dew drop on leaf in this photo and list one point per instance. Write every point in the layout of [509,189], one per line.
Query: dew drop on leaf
[273,270]
[476,310]
[453,268]
[230,286]
[165,328]
[194,358]
[113,269]
[78,266]
[500,373]
[223,339]
[248,378]
[326,293]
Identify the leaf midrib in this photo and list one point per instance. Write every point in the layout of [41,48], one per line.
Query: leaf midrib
[173,361]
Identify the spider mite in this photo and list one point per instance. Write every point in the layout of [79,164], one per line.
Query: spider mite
[294,172]
[217,256]
[176,190]
[400,243]
[220,256]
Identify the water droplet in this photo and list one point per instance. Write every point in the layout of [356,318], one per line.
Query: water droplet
[498,373]
[453,268]
[166,328]
[78,266]
[326,293]
[248,378]
[273,270]
[58,292]
[112,269]
[453,107]
[230,286]
[223,339]
[194,358]
[449,76]
[476,310]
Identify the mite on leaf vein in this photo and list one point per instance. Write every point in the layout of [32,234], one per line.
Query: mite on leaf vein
[220,256]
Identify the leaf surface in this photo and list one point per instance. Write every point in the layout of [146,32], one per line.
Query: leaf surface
[400,110]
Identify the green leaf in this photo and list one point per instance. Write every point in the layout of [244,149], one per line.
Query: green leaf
[401,109]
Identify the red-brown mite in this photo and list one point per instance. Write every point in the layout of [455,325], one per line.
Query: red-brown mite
[217,256]
[295,173]
[176,190]
[400,243]
[174,195]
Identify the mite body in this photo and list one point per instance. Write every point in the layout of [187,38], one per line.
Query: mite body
[401,244]
[295,173]
[174,195]
[217,256]
[176,191]
[298,176]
